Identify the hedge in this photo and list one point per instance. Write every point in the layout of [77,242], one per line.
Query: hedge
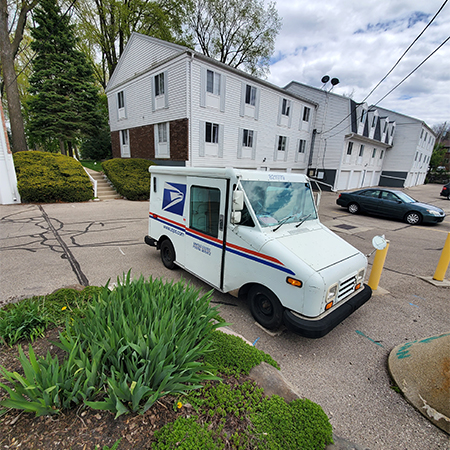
[44,177]
[130,177]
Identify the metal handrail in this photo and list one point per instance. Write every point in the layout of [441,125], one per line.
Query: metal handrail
[93,181]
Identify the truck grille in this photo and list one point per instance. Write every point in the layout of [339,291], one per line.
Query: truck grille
[346,288]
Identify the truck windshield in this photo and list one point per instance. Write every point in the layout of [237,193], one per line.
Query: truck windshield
[276,202]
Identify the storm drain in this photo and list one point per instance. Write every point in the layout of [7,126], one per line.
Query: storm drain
[344,226]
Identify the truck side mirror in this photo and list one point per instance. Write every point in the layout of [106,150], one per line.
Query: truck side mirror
[238,201]
[236,217]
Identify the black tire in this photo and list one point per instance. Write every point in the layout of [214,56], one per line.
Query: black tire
[265,307]
[413,218]
[353,208]
[168,254]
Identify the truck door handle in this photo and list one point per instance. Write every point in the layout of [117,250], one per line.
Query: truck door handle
[221,222]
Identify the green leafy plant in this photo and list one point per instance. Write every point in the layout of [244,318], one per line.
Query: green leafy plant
[31,317]
[48,177]
[187,434]
[234,356]
[278,425]
[130,177]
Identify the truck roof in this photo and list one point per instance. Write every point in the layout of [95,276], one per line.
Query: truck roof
[227,173]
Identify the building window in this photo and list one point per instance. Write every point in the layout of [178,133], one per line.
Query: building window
[374,153]
[374,121]
[247,138]
[281,143]
[213,82]
[361,150]
[349,148]
[125,137]
[159,84]
[120,100]
[285,107]
[301,146]
[385,126]
[212,133]
[250,95]
[363,115]
[162,133]
[306,113]
[381,154]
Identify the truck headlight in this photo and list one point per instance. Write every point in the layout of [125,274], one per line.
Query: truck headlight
[332,292]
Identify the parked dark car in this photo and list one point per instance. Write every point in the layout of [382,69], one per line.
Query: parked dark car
[390,203]
[446,191]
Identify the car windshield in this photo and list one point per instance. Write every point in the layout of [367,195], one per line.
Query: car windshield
[405,197]
[277,203]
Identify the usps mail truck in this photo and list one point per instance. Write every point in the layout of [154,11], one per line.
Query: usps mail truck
[257,235]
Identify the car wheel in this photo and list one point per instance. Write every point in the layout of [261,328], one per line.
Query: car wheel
[413,218]
[353,208]
[265,307]
[168,254]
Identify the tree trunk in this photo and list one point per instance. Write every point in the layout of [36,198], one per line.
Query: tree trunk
[62,147]
[19,142]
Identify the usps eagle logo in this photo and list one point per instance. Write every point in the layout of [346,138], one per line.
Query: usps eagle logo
[173,198]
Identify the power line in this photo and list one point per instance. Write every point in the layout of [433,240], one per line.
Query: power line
[392,69]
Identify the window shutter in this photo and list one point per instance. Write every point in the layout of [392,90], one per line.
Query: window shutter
[153,95]
[258,94]
[297,150]
[223,89]
[203,89]
[243,91]
[286,149]
[166,90]
[239,144]
[201,142]
[168,139]
[280,106]
[276,148]
[290,113]
[156,139]
[221,135]
[255,135]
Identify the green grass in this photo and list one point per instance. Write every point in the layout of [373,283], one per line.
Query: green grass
[93,165]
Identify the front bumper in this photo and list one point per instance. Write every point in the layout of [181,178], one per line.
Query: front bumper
[317,328]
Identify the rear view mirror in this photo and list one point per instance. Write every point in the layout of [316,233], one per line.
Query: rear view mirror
[238,201]
[236,217]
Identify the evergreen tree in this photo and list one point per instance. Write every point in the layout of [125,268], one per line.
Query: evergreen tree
[63,102]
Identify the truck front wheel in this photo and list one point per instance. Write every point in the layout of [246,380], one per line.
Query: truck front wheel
[168,254]
[265,307]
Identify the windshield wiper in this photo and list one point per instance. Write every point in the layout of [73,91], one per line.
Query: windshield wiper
[303,219]
[283,221]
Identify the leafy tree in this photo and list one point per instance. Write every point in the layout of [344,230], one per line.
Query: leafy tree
[13,18]
[64,97]
[108,24]
[240,33]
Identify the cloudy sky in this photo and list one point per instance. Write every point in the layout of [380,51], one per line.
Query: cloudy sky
[358,42]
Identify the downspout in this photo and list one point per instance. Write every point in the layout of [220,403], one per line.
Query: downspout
[189,109]
[311,151]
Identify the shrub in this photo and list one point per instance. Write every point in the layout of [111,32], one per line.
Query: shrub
[46,178]
[130,177]
[299,424]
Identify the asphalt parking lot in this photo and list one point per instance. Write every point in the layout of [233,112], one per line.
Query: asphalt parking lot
[45,247]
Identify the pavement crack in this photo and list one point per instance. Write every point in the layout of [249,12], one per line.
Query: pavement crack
[82,279]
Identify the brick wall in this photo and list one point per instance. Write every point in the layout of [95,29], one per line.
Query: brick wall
[142,141]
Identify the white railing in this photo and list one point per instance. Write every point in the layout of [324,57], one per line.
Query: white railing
[93,181]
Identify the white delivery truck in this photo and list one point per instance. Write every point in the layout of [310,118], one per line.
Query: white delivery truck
[257,234]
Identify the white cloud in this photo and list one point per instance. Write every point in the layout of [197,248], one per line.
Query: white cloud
[359,41]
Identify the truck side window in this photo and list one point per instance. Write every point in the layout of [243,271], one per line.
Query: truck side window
[204,210]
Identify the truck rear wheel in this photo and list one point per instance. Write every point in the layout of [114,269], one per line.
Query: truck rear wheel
[265,307]
[168,254]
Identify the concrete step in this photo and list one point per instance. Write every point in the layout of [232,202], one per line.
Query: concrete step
[104,190]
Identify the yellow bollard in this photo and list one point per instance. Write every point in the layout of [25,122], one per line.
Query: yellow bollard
[377,267]
[443,261]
